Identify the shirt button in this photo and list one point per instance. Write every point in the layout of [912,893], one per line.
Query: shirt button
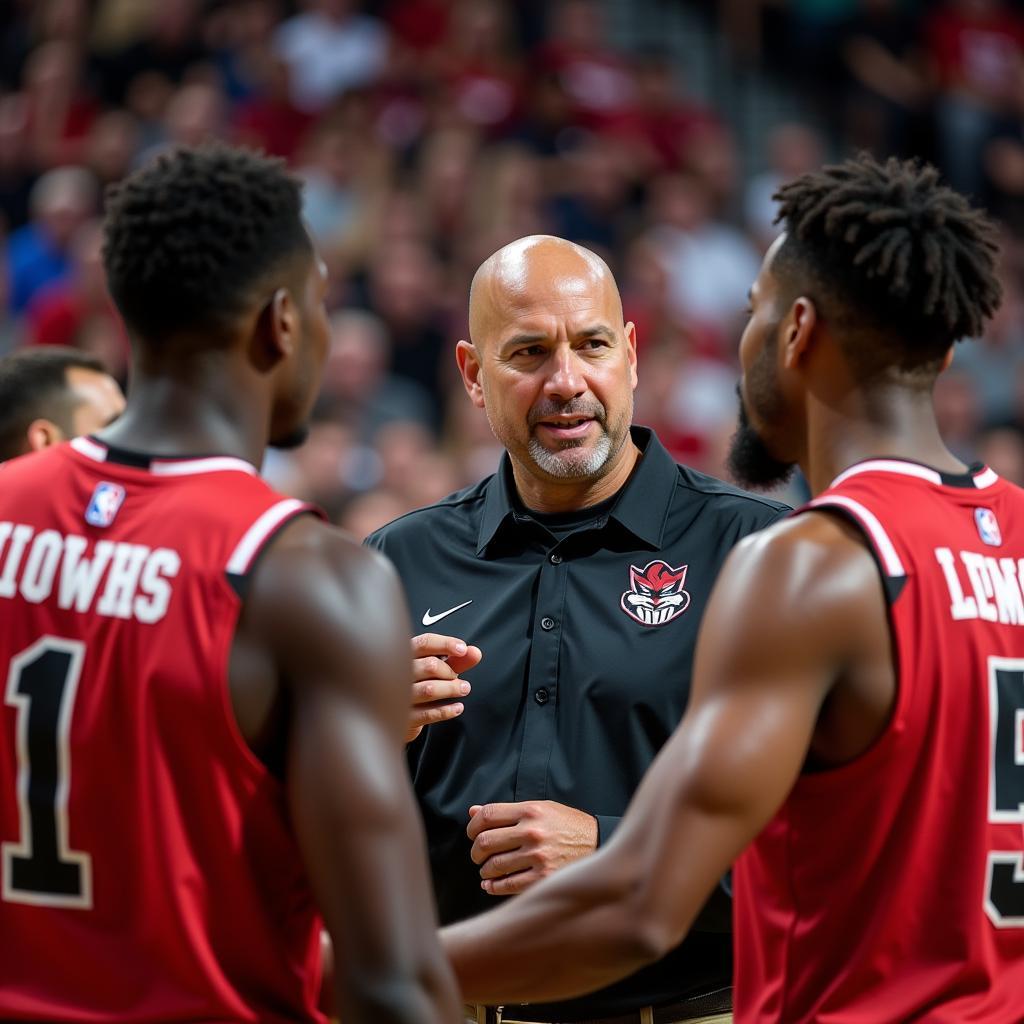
[541,696]
[547,622]
[556,559]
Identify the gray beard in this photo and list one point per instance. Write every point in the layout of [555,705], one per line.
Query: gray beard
[557,465]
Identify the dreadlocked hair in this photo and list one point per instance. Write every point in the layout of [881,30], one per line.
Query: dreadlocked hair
[191,238]
[894,251]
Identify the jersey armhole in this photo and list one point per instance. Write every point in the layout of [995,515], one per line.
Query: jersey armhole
[257,539]
[894,576]
[879,544]
[238,570]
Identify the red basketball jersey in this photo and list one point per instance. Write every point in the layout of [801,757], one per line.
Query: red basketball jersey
[891,889]
[149,871]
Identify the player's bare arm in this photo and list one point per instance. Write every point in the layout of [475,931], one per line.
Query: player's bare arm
[813,609]
[355,818]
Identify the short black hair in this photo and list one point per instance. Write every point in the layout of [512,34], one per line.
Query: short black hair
[34,385]
[901,264]
[191,238]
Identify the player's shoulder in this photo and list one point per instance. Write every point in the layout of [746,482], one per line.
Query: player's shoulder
[805,551]
[310,563]
[727,499]
[453,516]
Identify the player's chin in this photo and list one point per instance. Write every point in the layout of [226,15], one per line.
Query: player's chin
[294,438]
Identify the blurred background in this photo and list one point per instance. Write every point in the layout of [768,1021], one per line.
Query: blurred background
[430,132]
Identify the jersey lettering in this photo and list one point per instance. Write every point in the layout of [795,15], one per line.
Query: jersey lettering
[115,579]
[996,593]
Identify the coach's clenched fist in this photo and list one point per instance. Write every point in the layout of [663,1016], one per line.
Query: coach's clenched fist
[436,687]
[520,843]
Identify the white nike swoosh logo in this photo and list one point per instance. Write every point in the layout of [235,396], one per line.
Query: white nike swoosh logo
[429,620]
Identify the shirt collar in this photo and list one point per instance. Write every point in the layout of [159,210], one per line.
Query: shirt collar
[642,507]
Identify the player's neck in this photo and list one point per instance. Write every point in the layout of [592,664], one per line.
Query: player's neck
[904,428]
[169,417]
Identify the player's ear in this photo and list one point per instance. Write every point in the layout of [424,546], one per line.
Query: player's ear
[947,360]
[468,360]
[277,330]
[42,433]
[797,331]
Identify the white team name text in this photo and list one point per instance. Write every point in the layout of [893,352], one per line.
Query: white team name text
[116,579]
[983,587]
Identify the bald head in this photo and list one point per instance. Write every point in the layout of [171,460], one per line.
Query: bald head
[540,272]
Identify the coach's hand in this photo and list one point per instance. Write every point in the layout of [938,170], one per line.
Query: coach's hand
[436,686]
[519,844]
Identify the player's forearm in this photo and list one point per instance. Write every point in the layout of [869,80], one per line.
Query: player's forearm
[571,934]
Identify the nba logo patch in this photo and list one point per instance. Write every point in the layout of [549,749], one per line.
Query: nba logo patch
[104,505]
[988,526]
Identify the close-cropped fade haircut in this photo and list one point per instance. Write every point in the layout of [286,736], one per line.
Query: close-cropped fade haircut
[34,385]
[193,239]
[899,264]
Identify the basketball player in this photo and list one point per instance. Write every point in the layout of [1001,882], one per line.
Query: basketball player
[206,686]
[858,704]
[49,393]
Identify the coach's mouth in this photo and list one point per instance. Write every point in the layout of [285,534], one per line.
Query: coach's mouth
[566,428]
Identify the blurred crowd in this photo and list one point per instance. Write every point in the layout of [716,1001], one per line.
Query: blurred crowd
[430,132]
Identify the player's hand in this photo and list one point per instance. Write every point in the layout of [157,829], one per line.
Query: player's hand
[518,844]
[436,687]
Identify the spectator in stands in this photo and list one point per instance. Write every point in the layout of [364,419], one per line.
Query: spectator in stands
[793,149]
[885,91]
[358,389]
[976,50]
[330,48]
[38,254]
[77,310]
[709,264]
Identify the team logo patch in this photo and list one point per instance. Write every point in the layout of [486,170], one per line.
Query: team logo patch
[988,526]
[104,505]
[656,594]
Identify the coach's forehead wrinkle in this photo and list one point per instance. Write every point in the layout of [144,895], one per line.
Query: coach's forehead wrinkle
[539,271]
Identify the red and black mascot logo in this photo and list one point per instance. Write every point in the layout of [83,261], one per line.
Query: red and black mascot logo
[656,594]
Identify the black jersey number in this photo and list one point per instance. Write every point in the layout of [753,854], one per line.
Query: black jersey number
[40,868]
[1004,884]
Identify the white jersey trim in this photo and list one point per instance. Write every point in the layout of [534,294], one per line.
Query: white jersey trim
[874,529]
[986,478]
[186,467]
[253,538]
[90,449]
[889,466]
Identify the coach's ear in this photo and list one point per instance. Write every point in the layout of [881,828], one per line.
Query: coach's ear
[41,434]
[468,360]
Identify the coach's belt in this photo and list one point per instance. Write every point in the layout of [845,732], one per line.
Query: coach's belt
[709,1006]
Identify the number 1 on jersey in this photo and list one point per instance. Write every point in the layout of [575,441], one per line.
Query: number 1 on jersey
[1004,884]
[40,868]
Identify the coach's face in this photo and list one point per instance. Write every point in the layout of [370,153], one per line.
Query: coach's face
[551,361]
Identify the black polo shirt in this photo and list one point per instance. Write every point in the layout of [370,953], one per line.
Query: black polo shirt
[588,638]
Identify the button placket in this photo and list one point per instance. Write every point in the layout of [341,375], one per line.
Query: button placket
[542,683]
